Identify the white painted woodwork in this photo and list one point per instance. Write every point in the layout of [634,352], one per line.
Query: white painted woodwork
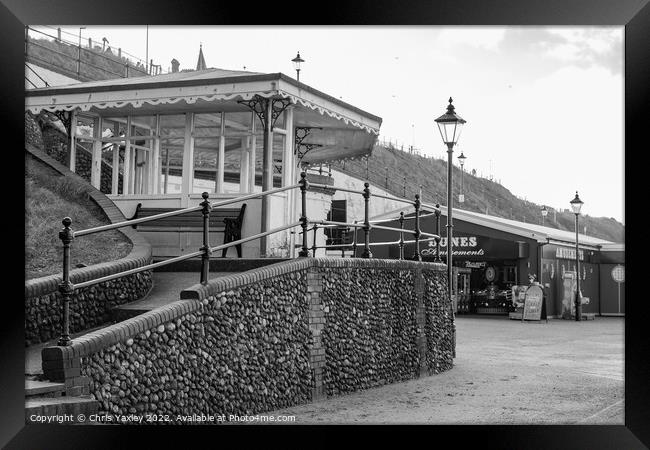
[96,161]
[222,154]
[72,140]
[188,157]
[116,170]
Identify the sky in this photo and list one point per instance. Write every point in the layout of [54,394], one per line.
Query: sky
[544,105]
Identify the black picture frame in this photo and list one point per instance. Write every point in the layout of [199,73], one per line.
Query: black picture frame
[633,14]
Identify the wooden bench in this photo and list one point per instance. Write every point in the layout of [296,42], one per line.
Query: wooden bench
[228,220]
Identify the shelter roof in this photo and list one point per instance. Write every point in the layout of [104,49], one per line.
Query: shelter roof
[340,130]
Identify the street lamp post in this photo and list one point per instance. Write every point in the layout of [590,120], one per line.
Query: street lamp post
[296,64]
[450,125]
[576,204]
[461,160]
[544,213]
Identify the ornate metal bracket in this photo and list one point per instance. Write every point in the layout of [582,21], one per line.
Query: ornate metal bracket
[299,135]
[259,105]
[66,119]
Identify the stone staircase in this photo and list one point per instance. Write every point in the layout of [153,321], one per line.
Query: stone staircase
[48,402]
[57,403]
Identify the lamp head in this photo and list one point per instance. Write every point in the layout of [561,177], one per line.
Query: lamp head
[576,204]
[450,125]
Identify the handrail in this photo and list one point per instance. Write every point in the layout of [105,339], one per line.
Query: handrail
[397,218]
[179,212]
[136,270]
[397,199]
[67,235]
[327,186]
[126,223]
[428,206]
[256,236]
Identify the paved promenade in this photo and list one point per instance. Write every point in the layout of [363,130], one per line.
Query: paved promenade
[505,372]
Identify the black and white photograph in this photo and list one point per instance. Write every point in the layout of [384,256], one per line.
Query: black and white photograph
[270,225]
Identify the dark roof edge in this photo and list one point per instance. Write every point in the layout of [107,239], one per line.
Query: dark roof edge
[146,84]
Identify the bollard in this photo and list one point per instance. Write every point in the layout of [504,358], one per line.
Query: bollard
[65,287]
[303,217]
[366,224]
[438,233]
[416,255]
[401,235]
[205,258]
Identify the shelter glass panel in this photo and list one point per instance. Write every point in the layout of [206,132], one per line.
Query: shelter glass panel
[207,125]
[232,163]
[278,158]
[172,143]
[172,125]
[206,159]
[85,127]
[171,165]
[238,124]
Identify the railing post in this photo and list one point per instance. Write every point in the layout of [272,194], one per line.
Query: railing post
[313,247]
[401,235]
[438,232]
[354,240]
[65,287]
[205,258]
[366,222]
[416,255]
[303,216]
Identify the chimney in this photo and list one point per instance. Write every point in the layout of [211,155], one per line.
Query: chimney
[175,65]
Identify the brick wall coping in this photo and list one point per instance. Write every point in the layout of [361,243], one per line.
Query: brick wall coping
[193,298]
[217,285]
[139,256]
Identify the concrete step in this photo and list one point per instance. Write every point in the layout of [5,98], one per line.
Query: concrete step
[167,287]
[64,409]
[217,264]
[45,389]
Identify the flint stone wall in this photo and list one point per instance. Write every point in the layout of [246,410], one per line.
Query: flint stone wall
[266,339]
[89,307]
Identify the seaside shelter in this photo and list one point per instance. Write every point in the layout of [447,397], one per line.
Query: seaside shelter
[161,141]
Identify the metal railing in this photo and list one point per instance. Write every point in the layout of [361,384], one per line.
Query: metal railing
[67,235]
[84,57]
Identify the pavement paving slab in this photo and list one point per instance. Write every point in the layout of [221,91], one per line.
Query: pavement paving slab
[505,372]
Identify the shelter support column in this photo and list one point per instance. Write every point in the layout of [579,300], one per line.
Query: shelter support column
[267,110]
[288,175]
[222,154]
[96,161]
[72,142]
[126,175]
[244,164]
[251,159]
[155,160]
[267,176]
[188,159]
[116,170]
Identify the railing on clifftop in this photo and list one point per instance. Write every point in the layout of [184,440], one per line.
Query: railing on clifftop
[67,235]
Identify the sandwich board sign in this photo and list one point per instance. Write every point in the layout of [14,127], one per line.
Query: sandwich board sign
[534,305]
